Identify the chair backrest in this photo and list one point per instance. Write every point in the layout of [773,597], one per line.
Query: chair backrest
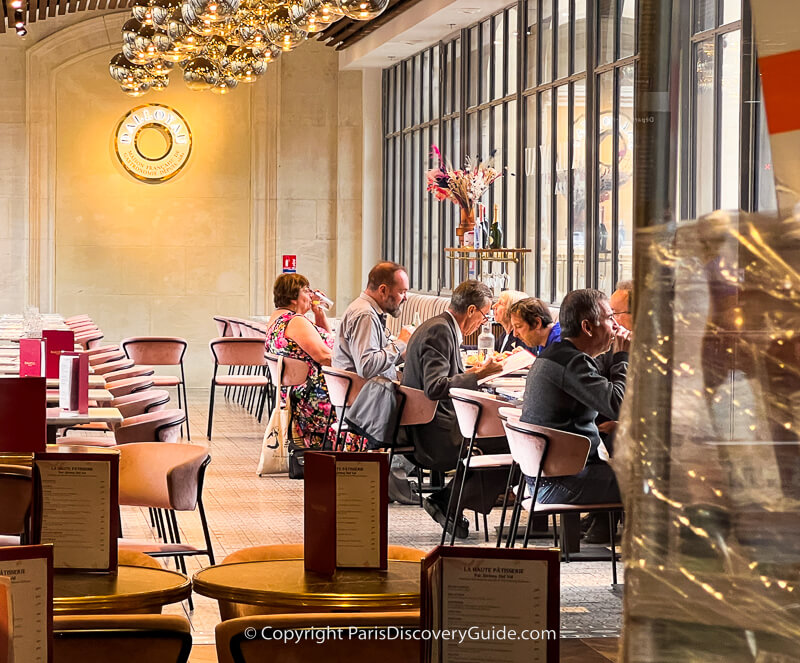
[223,328]
[165,476]
[155,350]
[129,386]
[477,413]
[234,647]
[295,371]
[238,351]
[163,425]
[417,407]
[566,452]
[126,373]
[151,400]
[16,495]
[121,638]
[296,551]
[111,366]
[100,358]
[509,413]
[343,386]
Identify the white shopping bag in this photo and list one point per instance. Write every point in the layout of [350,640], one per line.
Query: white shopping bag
[275,446]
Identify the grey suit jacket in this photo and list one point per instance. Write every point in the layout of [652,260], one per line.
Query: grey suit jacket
[433,364]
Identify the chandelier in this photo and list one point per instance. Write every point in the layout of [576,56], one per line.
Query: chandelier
[218,44]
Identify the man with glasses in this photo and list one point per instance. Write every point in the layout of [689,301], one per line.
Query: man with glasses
[565,390]
[434,365]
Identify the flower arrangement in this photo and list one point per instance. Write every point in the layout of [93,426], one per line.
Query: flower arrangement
[463,187]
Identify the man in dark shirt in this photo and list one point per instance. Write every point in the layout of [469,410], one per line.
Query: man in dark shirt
[565,391]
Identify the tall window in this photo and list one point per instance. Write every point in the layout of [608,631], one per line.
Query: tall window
[549,86]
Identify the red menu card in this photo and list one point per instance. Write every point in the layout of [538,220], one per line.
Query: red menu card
[32,357]
[346,509]
[58,341]
[23,412]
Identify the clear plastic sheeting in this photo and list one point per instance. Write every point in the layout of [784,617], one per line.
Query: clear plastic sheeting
[708,450]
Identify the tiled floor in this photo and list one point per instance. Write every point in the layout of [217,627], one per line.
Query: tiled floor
[245,510]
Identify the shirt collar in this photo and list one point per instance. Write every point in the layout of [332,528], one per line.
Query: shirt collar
[459,335]
[372,303]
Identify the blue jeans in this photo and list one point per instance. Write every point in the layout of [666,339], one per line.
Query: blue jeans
[595,484]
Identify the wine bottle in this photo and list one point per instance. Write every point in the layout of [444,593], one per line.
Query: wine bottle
[495,234]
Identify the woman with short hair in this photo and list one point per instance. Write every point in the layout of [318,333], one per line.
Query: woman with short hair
[501,308]
[291,334]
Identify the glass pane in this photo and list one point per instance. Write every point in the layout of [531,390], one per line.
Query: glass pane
[624,246]
[435,92]
[388,197]
[562,186]
[511,177]
[436,253]
[398,96]
[547,41]
[606,24]
[605,180]
[499,43]
[496,192]
[579,43]
[456,75]
[579,186]
[485,146]
[532,38]
[563,44]
[730,120]
[704,14]
[414,213]
[473,137]
[424,210]
[767,199]
[425,84]
[513,49]
[408,205]
[388,115]
[408,119]
[485,82]
[627,29]
[417,87]
[732,11]
[474,75]
[704,127]
[546,183]
[396,198]
[529,215]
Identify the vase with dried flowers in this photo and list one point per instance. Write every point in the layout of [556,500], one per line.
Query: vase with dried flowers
[463,187]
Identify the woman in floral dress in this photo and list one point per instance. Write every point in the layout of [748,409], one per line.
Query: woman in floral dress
[291,334]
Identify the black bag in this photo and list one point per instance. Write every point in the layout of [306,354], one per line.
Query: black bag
[296,461]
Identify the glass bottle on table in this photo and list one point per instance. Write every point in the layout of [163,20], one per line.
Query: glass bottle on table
[485,342]
[495,234]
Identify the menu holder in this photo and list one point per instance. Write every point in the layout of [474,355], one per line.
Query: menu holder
[23,413]
[58,341]
[32,357]
[26,604]
[76,508]
[506,596]
[346,511]
[73,385]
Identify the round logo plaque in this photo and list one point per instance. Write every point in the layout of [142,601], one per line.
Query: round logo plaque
[153,143]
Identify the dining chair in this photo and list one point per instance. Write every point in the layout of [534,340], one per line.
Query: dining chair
[293,373]
[478,417]
[111,366]
[546,452]
[228,351]
[121,638]
[223,328]
[168,477]
[99,358]
[131,372]
[161,426]
[16,497]
[359,641]
[89,340]
[343,388]
[162,351]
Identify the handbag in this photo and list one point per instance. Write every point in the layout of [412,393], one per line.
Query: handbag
[296,461]
[274,447]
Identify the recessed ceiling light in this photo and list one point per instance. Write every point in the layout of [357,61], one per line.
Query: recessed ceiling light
[470,10]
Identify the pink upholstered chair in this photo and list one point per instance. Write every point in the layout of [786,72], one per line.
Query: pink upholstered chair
[89,340]
[150,400]
[75,319]
[478,417]
[98,358]
[101,349]
[547,452]
[343,388]
[163,426]
[228,351]
[132,372]
[223,328]
[111,366]
[162,351]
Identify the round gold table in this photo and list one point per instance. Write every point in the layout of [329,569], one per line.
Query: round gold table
[283,585]
[135,589]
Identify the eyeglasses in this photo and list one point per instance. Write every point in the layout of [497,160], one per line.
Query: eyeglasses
[485,317]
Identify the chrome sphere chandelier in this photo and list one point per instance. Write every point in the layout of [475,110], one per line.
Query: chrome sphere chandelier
[218,44]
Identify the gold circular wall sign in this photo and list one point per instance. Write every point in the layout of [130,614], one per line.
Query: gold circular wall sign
[153,142]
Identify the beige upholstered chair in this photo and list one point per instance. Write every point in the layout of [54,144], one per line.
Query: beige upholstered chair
[16,496]
[234,647]
[162,426]
[129,386]
[121,639]
[151,400]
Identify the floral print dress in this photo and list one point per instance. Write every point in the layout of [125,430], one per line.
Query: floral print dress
[310,403]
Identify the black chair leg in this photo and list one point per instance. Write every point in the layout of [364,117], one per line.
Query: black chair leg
[211,410]
[505,504]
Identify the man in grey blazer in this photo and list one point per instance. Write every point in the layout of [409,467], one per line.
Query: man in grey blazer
[433,364]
